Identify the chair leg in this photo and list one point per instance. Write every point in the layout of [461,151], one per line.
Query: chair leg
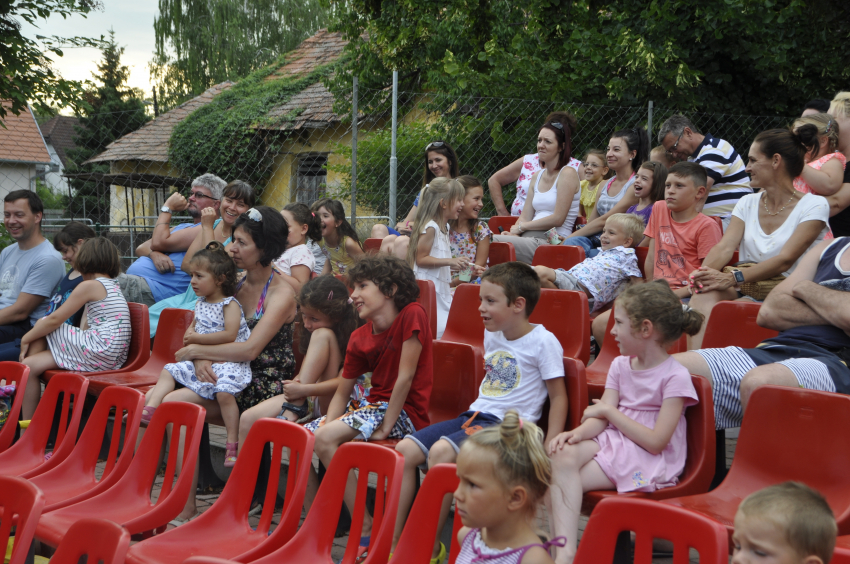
[719,459]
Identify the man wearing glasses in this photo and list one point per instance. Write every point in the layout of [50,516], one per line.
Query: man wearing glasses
[727,178]
[156,274]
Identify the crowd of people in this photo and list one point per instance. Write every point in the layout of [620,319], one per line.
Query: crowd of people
[249,271]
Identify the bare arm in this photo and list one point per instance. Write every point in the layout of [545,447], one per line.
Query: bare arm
[649,265]
[202,239]
[300,276]
[840,200]
[831,305]
[340,400]
[826,181]
[232,319]
[527,209]
[720,255]
[502,178]
[410,351]
[596,224]
[425,260]
[353,248]
[166,241]
[653,440]
[22,308]
[590,426]
[482,251]
[87,291]
[144,249]
[558,408]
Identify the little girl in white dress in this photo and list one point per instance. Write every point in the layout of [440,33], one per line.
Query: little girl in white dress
[218,320]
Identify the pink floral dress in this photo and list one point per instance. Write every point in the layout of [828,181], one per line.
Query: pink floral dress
[803,186]
[466,244]
[105,344]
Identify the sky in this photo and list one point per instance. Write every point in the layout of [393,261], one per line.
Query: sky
[132,21]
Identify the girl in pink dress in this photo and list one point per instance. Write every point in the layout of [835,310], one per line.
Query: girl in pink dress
[634,438]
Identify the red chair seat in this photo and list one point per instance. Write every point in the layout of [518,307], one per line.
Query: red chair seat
[501,252]
[428,300]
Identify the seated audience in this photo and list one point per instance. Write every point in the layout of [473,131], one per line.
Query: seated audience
[627,150]
[340,243]
[791,223]
[468,237]
[790,522]
[659,154]
[523,365]
[157,274]
[727,180]
[297,262]
[603,275]
[650,183]
[815,106]
[553,203]
[594,171]
[103,339]
[839,203]
[824,170]
[811,311]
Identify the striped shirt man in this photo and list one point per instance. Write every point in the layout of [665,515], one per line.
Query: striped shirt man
[726,169]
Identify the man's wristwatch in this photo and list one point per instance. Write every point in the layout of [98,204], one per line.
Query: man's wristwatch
[739,277]
[165,209]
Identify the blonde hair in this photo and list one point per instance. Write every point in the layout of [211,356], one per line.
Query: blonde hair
[656,302]
[840,105]
[521,458]
[826,127]
[631,224]
[800,512]
[437,191]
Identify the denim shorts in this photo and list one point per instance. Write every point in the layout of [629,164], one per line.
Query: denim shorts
[455,431]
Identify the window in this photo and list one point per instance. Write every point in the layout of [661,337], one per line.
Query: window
[312,177]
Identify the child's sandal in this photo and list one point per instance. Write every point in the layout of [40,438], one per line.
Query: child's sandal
[300,411]
[147,414]
[230,454]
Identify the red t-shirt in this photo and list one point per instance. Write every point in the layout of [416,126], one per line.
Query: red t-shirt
[380,354]
[680,248]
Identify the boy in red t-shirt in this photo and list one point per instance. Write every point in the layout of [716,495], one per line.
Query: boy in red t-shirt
[680,237]
[395,346]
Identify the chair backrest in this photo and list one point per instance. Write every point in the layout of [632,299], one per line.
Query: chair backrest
[464,324]
[101,541]
[372,245]
[735,324]
[458,372]
[503,221]
[558,256]
[417,539]
[20,499]
[791,434]
[641,253]
[576,382]
[428,300]
[81,463]
[501,252]
[701,440]
[18,374]
[841,555]
[140,337]
[566,314]
[650,520]
[173,323]
[239,490]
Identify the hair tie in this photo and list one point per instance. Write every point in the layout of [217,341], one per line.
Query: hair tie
[350,301]
[313,214]
[828,127]
[520,423]
[686,308]
[331,295]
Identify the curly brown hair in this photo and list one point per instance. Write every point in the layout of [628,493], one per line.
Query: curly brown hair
[219,263]
[329,295]
[386,271]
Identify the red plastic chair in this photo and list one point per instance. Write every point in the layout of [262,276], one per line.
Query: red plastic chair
[140,344]
[128,501]
[314,540]
[650,520]
[18,374]
[417,538]
[558,256]
[699,464]
[372,245]
[24,502]
[428,300]
[503,221]
[576,392]
[841,555]
[169,339]
[101,541]
[75,480]
[25,458]
[786,434]
[223,530]
[501,252]
[641,253]
[734,324]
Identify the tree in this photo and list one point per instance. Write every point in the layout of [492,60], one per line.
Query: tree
[736,56]
[111,110]
[200,43]
[26,75]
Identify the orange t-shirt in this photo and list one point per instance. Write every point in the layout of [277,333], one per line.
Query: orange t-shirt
[679,247]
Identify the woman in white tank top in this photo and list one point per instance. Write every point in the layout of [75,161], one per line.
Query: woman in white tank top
[554,201]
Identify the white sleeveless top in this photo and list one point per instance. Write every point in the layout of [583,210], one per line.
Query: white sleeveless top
[544,204]
[606,203]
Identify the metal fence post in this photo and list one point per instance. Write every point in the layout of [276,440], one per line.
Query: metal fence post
[393,158]
[648,122]
[354,154]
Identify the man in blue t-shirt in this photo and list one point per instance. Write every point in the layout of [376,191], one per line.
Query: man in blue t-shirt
[30,268]
[811,310]
[156,274]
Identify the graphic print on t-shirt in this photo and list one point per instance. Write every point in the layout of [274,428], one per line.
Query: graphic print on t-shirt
[671,265]
[502,374]
[9,279]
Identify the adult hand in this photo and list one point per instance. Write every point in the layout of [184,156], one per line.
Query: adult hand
[563,439]
[176,202]
[162,262]
[705,279]
[189,352]
[598,410]
[208,217]
[204,371]
[515,230]
[294,390]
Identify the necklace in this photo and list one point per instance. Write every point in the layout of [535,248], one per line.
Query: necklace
[767,211]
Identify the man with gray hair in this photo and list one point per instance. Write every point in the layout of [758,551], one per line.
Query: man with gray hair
[156,274]
[728,181]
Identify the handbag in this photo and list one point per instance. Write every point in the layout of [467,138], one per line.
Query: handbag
[756,290]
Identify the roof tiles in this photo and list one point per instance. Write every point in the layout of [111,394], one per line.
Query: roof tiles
[21,141]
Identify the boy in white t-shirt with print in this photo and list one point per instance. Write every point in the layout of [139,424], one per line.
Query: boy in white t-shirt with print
[602,277]
[523,364]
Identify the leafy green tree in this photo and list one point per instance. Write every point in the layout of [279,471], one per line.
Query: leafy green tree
[26,76]
[111,110]
[736,56]
[200,43]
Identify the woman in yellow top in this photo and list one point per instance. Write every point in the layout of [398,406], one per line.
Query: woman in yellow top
[340,243]
[595,171]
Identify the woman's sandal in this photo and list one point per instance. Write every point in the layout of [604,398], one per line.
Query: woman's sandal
[230,454]
[147,414]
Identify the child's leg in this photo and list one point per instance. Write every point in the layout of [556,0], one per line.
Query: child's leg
[442,453]
[387,243]
[37,346]
[400,246]
[164,386]
[321,363]
[230,415]
[39,363]
[573,472]
[329,437]
[547,277]
[267,408]
[599,325]
[413,459]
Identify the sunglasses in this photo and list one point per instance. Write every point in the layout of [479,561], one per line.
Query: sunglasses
[556,124]
[434,144]
[200,195]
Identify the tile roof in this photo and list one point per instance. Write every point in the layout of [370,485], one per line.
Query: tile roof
[59,132]
[21,141]
[150,142]
[322,48]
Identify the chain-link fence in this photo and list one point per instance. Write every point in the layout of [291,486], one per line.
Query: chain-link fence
[115,170]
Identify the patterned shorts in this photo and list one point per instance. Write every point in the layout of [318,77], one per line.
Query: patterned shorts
[367,418]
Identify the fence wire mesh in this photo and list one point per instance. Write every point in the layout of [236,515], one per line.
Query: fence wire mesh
[115,170]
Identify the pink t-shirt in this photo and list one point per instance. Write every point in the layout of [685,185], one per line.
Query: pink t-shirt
[679,247]
[299,255]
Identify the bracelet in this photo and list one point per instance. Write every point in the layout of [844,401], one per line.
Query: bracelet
[519,226]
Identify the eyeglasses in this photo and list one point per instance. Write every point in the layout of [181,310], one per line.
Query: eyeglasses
[200,195]
[672,149]
[556,124]
[434,144]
